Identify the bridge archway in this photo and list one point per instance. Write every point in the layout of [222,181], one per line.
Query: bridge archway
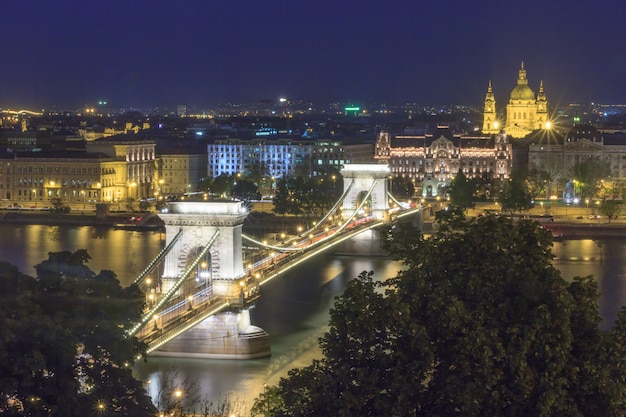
[361,179]
[199,221]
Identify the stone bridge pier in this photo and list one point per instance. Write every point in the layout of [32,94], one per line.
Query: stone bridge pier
[227,335]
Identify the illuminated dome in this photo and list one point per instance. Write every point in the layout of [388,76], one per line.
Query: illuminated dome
[522,92]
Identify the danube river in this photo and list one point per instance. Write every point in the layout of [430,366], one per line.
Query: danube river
[293,308]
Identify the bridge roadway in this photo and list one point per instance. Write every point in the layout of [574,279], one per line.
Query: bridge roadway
[181,314]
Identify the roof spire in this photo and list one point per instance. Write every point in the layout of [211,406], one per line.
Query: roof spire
[522,76]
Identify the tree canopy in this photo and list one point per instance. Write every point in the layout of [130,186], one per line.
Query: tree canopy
[461,192]
[63,346]
[471,326]
[515,194]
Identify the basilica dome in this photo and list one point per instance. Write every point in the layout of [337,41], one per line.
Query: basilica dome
[522,92]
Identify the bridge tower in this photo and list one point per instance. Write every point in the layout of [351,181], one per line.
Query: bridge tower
[199,221]
[360,179]
[227,334]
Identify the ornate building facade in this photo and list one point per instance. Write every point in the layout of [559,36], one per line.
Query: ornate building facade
[556,155]
[524,112]
[110,171]
[432,160]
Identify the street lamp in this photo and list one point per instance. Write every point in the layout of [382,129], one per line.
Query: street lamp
[178,394]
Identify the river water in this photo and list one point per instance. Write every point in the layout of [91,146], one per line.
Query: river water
[293,309]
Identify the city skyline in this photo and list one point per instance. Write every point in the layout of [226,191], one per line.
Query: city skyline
[66,54]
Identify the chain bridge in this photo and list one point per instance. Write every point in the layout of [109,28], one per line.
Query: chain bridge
[198,291]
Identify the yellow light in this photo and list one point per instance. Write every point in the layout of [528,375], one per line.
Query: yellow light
[548,125]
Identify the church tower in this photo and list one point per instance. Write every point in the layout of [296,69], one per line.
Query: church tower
[490,123]
[522,115]
[542,108]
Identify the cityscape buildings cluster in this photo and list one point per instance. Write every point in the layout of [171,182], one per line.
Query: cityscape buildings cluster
[96,156]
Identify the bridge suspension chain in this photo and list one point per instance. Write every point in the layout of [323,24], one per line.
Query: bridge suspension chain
[175,288]
[157,259]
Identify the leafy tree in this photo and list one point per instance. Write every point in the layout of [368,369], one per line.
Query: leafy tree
[223,185]
[455,335]
[461,192]
[256,172]
[74,353]
[299,193]
[587,175]
[610,209]
[205,184]
[281,197]
[515,195]
[402,187]
[246,190]
[549,173]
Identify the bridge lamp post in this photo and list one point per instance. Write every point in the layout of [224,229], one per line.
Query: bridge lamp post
[299,231]
[178,394]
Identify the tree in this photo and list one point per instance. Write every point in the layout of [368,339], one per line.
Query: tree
[610,209]
[281,198]
[461,192]
[246,190]
[223,185]
[514,195]
[549,173]
[75,353]
[452,334]
[402,187]
[587,175]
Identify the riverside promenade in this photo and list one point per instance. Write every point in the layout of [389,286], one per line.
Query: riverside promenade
[571,222]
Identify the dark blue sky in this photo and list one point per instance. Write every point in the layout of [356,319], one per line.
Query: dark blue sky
[67,53]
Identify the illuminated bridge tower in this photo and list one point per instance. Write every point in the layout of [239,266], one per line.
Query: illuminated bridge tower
[218,224]
[367,185]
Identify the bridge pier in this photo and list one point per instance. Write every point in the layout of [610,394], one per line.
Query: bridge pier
[217,274]
[228,335]
[359,179]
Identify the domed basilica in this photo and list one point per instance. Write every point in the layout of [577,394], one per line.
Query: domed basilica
[524,112]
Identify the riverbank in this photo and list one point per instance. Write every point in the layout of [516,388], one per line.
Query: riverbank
[47,218]
[571,226]
[257,223]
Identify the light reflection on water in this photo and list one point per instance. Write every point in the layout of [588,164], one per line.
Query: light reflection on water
[124,252]
[293,308]
[604,259]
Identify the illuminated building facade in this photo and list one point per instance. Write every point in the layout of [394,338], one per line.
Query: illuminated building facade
[180,172]
[433,160]
[524,112]
[134,171]
[278,158]
[557,154]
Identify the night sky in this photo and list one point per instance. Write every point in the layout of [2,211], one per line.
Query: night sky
[63,54]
